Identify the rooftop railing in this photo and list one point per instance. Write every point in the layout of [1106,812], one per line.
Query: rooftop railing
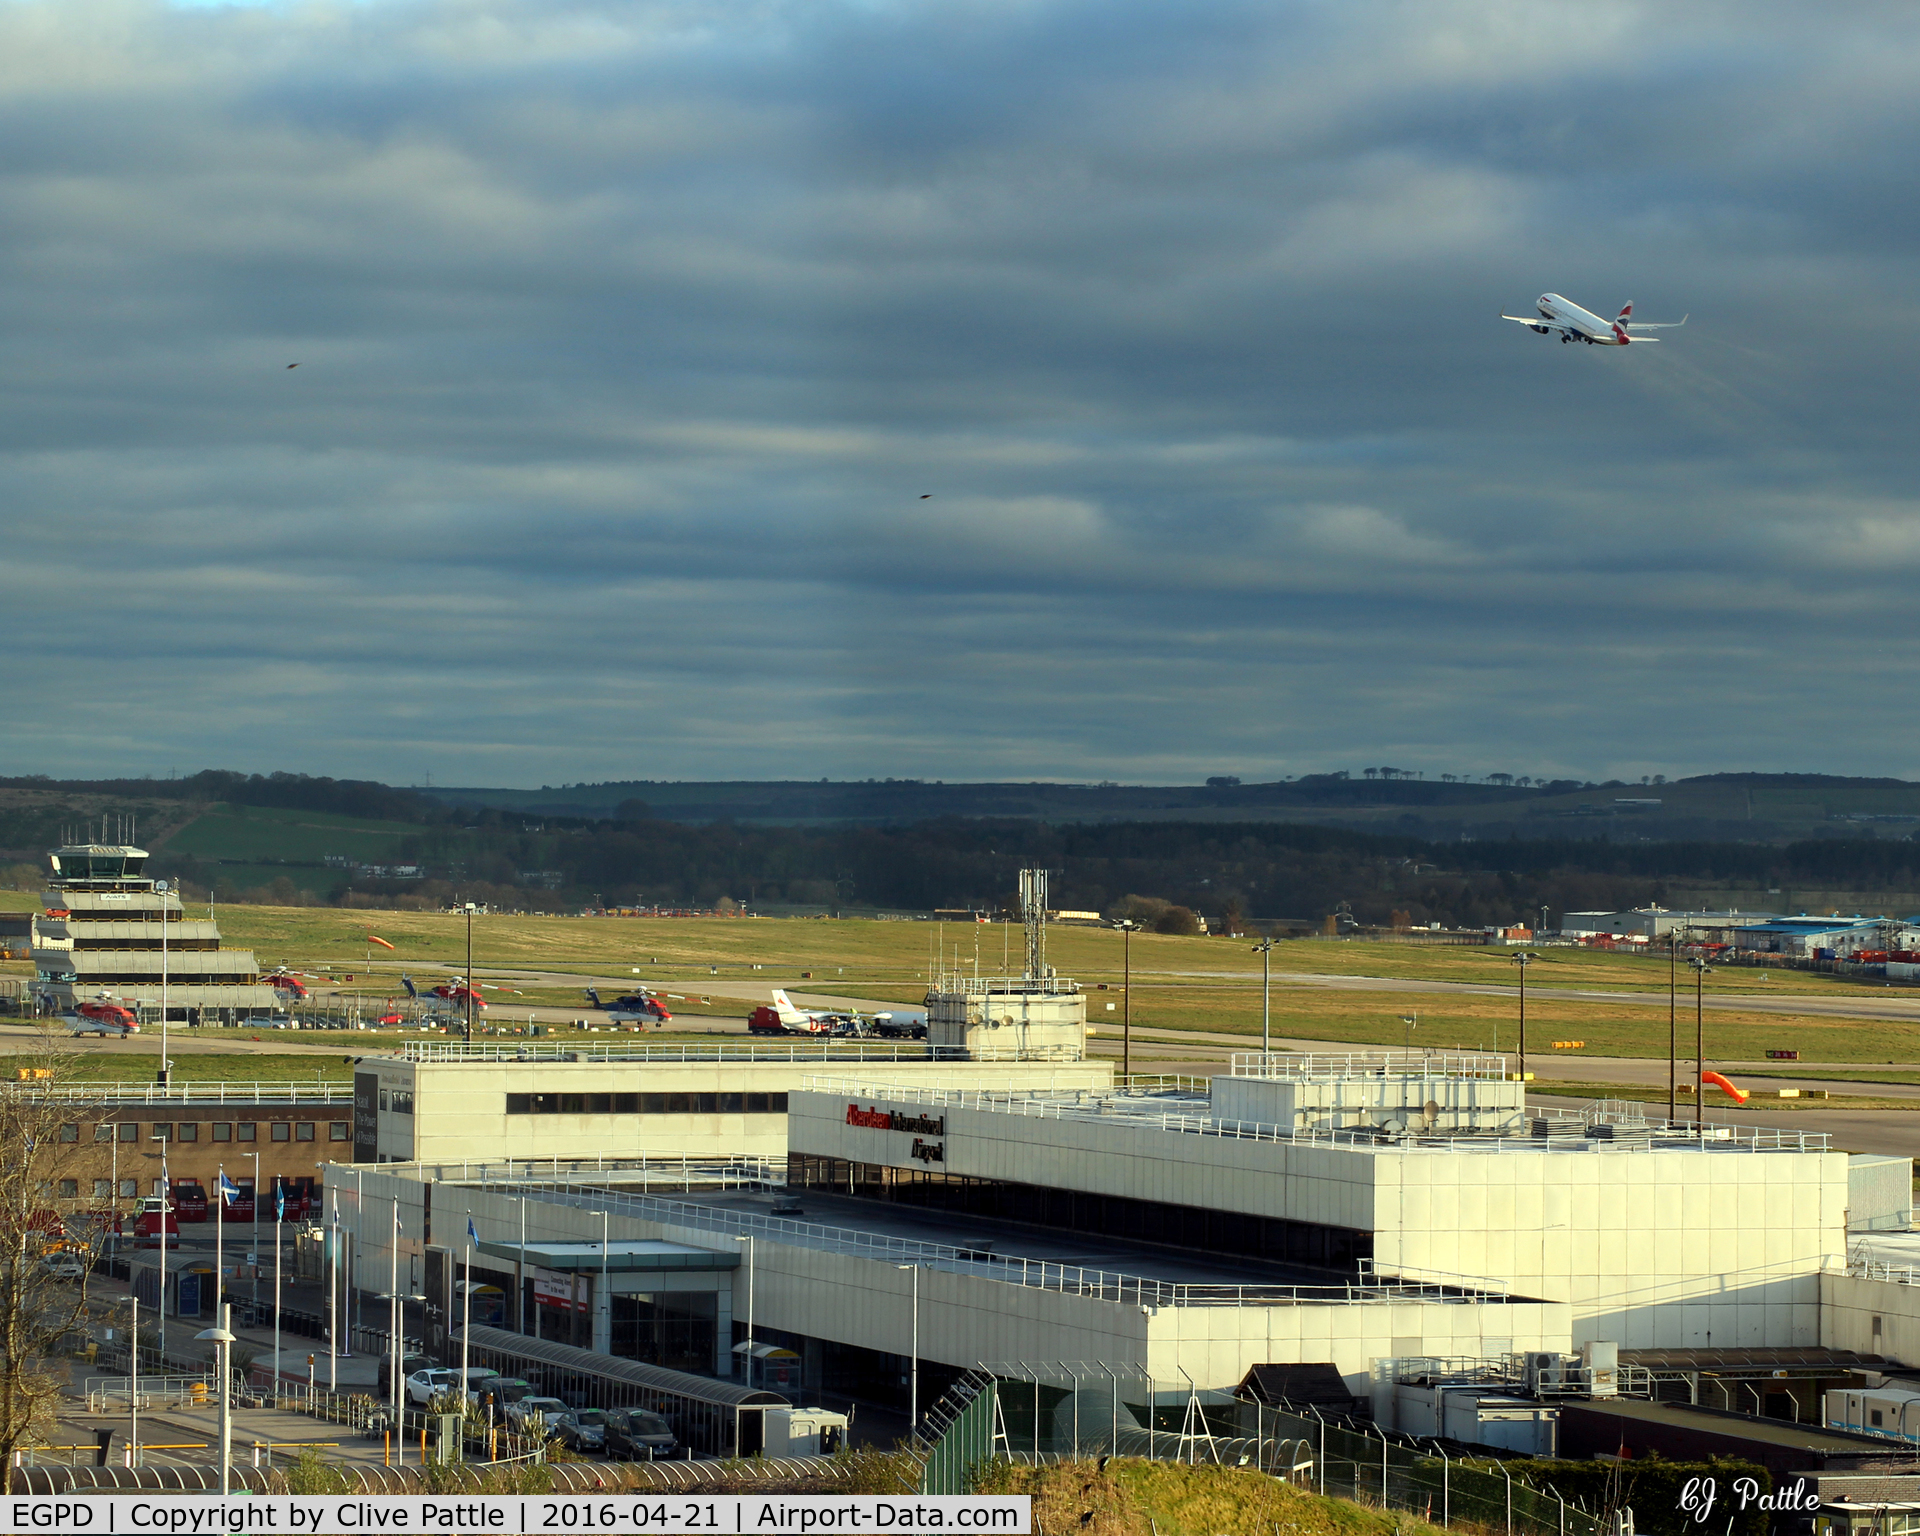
[201,1093]
[1287,1066]
[577,1051]
[1187,1113]
[1038,1274]
[954,983]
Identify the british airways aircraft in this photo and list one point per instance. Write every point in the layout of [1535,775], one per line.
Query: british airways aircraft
[1576,324]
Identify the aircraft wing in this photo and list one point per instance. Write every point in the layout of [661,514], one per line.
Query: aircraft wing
[1533,320]
[1657,325]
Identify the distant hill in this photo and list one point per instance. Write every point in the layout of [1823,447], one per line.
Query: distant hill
[1734,807]
[1430,851]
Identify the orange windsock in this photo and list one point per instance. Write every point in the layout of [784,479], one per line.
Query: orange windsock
[374,938]
[1738,1095]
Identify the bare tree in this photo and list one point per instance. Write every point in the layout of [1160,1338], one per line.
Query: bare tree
[50,1236]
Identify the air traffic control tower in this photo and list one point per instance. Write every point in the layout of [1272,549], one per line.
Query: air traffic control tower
[111,933]
[1037,1016]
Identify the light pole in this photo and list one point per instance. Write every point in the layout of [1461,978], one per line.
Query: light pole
[160,889]
[133,1384]
[1265,952]
[748,1240]
[1126,925]
[471,983]
[1523,959]
[1700,971]
[1412,1021]
[913,1375]
[602,1299]
[1673,1023]
[165,1216]
[222,1339]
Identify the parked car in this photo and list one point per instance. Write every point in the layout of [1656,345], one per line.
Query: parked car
[425,1385]
[638,1435]
[546,1409]
[580,1429]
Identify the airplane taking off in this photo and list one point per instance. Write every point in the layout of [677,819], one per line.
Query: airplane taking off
[1577,324]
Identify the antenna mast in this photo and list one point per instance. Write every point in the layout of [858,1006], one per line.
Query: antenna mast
[1033,908]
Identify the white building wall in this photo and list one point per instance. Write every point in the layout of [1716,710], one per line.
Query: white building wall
[1651,1249]
[1648,1248]
[460,1108]
[1874,1317]
[1329,1184]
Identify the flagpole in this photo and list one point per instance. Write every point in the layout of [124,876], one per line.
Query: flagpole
[466,1316]
[219,1234]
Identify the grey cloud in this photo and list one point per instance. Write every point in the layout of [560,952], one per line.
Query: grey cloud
[631,335]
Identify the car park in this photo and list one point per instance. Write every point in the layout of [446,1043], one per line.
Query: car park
[635,1434]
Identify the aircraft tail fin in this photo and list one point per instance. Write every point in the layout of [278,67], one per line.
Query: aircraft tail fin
[782,1003]
[594,998]
[1626,314]
[407,982]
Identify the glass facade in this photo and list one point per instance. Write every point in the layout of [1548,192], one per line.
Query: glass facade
[646,1103]
[1334,1251]
[671,1328]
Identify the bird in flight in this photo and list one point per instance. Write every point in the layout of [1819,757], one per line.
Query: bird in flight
[293,365]
[928,496]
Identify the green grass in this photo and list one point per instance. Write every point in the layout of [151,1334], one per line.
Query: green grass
[889,962]
[1839,1075]
[1649,1093]
[250,832]
[1127,1497]
[197,1067]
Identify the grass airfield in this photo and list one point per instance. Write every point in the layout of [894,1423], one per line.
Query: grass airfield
[718,968]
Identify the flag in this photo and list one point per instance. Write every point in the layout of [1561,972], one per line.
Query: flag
[229,1191]
[473,1237]
[374,938]
[279,1202]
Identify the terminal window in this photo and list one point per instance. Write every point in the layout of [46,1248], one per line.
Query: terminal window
[646,1103]
[339,1130]
[282,1131]
[246,1130]
[223,1130]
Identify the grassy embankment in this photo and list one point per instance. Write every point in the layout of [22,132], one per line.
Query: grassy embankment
[1142,1498]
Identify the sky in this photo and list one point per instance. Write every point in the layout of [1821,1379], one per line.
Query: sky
[958,389]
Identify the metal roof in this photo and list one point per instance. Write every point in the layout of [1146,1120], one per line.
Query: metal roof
[702,1389]
[623,1255]
[1758,1358]
[147,964]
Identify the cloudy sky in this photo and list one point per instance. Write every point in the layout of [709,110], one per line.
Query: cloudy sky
[959,389]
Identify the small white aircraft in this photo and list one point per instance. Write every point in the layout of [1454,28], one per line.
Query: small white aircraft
[1577,324]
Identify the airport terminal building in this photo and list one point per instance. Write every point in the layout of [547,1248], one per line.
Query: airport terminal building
[1364,1210]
